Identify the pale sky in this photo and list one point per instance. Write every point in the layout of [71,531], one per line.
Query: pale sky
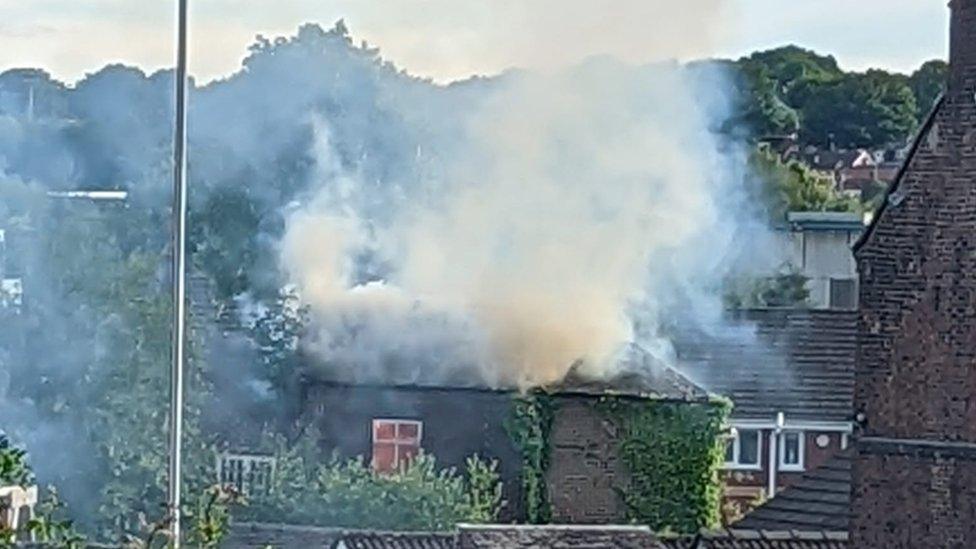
[449,39]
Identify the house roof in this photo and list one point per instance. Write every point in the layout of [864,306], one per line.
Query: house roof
[819,501]
[796,361]
[641,375]
[514,536]
[760,539]
[396,540]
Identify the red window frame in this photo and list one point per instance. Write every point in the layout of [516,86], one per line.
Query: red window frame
[395,441]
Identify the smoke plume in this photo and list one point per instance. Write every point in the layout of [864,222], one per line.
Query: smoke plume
[565,215]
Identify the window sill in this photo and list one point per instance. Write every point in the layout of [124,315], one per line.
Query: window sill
[735,467]
[792,468]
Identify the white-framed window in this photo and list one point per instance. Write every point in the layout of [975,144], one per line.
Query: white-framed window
[791,448]
[249,474]
[395,441]
[743,449]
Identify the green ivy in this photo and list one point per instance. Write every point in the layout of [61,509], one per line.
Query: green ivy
[529,427]
[674,453]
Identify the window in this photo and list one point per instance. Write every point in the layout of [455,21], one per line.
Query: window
[249,474]
[395,441]
[843,294]
[791,450]
[742,450]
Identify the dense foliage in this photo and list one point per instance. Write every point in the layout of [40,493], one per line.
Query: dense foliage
[792,186]
[347,493]
[792,90]
[674,453]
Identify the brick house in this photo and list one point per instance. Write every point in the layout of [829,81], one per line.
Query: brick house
[914,473]
[790,376]
[389,423]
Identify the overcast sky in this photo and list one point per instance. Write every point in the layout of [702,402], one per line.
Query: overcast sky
[448,39]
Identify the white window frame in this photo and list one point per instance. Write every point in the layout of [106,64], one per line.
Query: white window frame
[801,451]
[396,440]
[736,451]
[249,462]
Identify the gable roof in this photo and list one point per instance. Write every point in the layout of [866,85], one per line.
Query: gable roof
[916,143]
[796,361]
[819,501]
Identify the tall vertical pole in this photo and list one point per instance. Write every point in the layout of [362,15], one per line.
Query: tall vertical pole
[179,279]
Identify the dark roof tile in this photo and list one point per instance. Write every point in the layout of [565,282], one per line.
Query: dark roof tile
[820,500]
[796,361]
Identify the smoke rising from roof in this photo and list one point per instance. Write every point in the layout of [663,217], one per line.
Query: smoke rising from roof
[567,214]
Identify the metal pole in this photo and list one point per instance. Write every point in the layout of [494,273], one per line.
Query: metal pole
[179,279]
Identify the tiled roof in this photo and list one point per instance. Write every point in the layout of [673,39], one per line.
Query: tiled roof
[769,539]
[642,376]
[796,361]
[396,540]
[820,501]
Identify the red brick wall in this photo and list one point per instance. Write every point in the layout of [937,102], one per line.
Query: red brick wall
[916,368]
[910,501]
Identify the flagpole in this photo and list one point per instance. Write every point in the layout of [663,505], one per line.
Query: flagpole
[179,280]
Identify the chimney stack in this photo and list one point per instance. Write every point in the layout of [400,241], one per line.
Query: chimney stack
[962,48]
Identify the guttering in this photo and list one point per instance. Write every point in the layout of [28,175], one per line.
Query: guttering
[794,425]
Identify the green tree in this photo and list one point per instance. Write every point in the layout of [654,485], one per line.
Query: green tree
[783,187]
[927,84]
[875,108]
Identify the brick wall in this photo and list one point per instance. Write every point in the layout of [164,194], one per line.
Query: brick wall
[916,372]
[585,468]
[924,501]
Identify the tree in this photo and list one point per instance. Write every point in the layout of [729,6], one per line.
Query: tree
[783,187]
[927,84]
[860,110]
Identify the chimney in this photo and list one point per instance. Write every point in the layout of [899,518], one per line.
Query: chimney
[962,48]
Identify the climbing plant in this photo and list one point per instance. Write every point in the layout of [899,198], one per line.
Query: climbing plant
[529,427]
[674,452]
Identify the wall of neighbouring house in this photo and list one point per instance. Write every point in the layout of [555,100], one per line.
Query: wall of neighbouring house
[820,255]
[457,423]
[916,367]
[744,488]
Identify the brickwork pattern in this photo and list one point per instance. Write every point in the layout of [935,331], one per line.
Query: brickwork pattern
[916,367]
[585,468]
[912,501]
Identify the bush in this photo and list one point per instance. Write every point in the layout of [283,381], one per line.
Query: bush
[349,494]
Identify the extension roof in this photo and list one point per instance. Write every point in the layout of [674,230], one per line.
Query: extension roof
[819,501]
[796,361]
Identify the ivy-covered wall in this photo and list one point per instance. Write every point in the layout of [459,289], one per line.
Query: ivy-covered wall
[633,460]
[529,427]
[674,452]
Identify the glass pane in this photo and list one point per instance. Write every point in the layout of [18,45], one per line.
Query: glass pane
[384,430]
[730,450]
[791,448]
[408,431]
[748,447]
[384,457]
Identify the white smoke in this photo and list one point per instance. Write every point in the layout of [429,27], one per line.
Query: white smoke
[574,213]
